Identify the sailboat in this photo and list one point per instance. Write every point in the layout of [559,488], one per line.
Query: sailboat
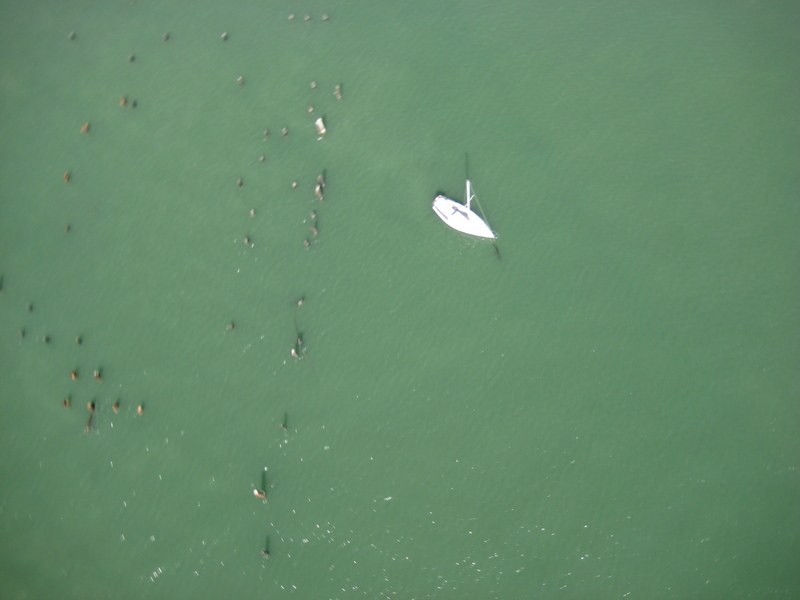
[460,217]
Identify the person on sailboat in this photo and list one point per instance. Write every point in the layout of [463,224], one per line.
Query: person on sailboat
[461,212]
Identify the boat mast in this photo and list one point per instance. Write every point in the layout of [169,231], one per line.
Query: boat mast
[466,169]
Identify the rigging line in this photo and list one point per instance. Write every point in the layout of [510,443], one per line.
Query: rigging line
[478,202]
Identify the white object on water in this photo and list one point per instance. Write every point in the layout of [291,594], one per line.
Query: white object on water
[460,217]
[320,125]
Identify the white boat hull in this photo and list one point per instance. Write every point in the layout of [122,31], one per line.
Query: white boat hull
[461,218]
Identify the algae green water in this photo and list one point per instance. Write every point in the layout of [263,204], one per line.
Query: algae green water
[606,407]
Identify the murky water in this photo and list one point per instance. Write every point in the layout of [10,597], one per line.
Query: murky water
[605,407]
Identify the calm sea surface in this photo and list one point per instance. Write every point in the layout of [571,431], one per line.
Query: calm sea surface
[604,405]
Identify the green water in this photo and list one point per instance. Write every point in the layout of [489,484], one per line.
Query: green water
[608,411]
